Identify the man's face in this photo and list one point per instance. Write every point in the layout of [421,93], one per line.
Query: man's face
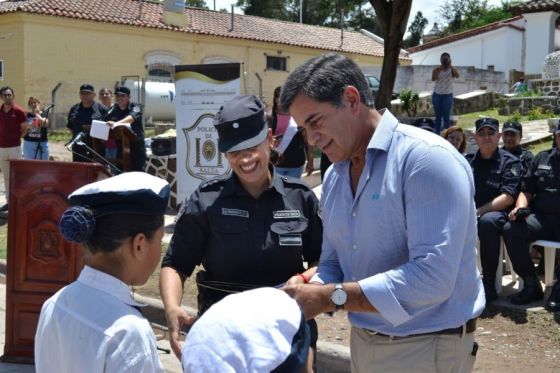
[487,139]
[122,100]
[87,97]
[511,139]
[328,127]
[8,97]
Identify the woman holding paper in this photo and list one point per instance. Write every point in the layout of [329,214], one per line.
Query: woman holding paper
[35,141]
[126,113]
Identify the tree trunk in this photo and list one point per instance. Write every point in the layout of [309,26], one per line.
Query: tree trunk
[393,17]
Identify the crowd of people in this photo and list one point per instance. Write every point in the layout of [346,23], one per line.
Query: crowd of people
[382,244]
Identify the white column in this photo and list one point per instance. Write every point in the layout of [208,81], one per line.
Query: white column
[539,32]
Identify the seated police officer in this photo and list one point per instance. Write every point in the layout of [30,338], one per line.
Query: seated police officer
[425,123]
[540,191]
[497,174]
[512,132]
[249,229]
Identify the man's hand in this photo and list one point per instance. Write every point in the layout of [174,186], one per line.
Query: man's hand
[313,299]
[176,319]
[513,214]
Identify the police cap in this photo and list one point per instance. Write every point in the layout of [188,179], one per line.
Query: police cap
[241,123]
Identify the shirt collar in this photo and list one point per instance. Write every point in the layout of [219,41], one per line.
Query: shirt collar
[383,134]
[495,155]
[108,284]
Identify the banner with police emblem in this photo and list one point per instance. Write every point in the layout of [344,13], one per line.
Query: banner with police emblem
[200,91]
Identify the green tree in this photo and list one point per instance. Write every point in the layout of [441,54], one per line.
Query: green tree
[416,30]
[392,16]
[196,3]
[462,15]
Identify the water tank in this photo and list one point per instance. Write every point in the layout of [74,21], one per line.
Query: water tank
[159,99]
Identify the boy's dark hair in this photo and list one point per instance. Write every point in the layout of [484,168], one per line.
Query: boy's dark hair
[5,88]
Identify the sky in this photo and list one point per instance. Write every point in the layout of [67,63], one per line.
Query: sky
[427,7]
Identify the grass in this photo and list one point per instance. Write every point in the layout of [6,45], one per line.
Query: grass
[3,241]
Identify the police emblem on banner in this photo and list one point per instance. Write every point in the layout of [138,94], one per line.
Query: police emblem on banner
[204,161]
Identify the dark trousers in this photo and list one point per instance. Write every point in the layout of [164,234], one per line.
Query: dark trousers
[520,233]
[490,227]
[442,109]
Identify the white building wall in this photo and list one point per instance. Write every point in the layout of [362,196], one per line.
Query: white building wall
[502,48]
[540,39]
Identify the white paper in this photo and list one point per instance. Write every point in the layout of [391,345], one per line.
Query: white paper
[99,130]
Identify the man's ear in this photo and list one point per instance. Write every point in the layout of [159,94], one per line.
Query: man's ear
[140,246]
[352,96]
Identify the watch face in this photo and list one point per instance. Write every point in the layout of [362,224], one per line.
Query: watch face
[338,297]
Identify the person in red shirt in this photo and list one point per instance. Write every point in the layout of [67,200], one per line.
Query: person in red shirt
[13,126]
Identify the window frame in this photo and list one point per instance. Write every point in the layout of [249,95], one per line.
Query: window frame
[284,60]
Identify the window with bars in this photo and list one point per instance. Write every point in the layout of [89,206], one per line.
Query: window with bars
[161,72]
[276,63]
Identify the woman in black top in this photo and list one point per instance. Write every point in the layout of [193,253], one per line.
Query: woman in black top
[35,141]
[250,229]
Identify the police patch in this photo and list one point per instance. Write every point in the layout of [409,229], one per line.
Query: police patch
[286,214]
[235,212]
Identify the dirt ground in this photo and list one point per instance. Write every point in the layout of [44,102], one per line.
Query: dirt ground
[510,340]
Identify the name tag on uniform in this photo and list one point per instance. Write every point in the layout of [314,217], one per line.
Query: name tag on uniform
[235,212]
[290,240]
[544,167]
[286,214]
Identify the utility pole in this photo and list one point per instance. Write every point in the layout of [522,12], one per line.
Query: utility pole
[300,11]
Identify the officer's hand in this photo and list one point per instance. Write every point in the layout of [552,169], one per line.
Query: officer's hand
[513,214]
[313,299]
[176,319]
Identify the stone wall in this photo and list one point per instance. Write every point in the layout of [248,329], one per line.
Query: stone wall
[547,87]
[462,104]
[525,104]
[419,78]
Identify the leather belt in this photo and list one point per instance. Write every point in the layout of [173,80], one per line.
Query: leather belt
[468,327]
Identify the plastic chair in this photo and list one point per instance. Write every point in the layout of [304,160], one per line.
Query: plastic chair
[500,269]
[549,256]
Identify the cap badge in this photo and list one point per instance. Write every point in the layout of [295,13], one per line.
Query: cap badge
[235,125]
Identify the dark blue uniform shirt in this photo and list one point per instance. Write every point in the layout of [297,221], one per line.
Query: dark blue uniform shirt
[497,175]
[524,155]
[243,240]
[542,180]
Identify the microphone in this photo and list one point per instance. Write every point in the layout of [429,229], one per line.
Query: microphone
[46,110]
[76,140]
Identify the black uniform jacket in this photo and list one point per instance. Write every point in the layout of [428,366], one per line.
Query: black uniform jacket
[497,175]
[542,180]
[243,240]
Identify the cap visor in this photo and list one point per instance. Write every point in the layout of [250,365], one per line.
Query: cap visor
[249,143]
[511,130]
[487,126]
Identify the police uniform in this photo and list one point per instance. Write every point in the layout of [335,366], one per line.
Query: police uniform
[524,155]
[245,242]
[542,181]
[78,116]
[495,176]
[137,148]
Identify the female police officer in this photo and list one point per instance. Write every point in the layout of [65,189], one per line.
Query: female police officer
[250,229]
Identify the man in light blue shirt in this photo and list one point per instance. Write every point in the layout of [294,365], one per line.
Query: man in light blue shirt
[400,227]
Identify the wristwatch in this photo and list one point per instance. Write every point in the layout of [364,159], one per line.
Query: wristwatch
[339,296]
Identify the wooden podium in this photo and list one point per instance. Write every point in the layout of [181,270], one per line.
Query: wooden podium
[40,261]
[125,138]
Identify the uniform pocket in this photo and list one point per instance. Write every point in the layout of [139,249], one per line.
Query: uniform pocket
[289,232]
[229,224]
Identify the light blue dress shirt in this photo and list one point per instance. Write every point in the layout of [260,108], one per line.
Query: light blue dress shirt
[408,236]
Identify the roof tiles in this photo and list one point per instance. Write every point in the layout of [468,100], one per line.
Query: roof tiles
[201,21]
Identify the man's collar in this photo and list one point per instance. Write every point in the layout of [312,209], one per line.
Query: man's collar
[383,134]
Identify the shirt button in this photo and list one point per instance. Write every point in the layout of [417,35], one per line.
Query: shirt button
[354,246]
[353,214]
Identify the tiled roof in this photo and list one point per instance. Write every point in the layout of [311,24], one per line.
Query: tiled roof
[467,34]
[532,6]
[201,21]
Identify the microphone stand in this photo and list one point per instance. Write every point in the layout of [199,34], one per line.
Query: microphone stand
[114,170]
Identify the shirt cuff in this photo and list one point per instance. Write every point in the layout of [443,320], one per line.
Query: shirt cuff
[380,295]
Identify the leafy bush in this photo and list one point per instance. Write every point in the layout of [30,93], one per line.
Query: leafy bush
[409,99]
[539,113]
[515,117]
[530,93]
